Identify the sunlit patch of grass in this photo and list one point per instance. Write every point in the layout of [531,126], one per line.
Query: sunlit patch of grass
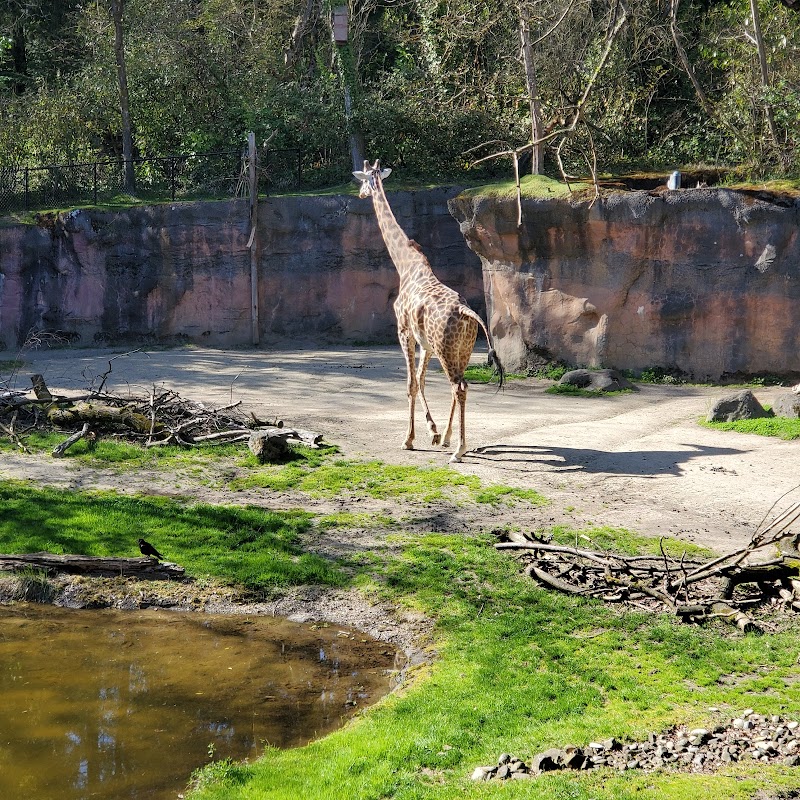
[382,481]
[577,391]
[779,427]
[625,542]
[537,186]
[248,546]
[481,373]
[508,495]
[348,519]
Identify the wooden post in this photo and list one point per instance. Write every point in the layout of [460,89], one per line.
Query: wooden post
[253,241]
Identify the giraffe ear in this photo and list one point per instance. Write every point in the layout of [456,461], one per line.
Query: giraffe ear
[361,176]
[385,173]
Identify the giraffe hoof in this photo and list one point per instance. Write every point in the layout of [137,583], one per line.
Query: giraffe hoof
[436,438]
[455,458]
[408,446]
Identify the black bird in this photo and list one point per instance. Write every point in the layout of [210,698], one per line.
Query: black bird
[147,549]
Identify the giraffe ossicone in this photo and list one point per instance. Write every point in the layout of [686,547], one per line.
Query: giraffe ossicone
[429,314]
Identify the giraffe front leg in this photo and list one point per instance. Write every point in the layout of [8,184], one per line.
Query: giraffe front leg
[407,343]
[425,357]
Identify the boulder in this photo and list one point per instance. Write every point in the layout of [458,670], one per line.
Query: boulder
[739,405]
[596,380]
[787,405]
[548,761]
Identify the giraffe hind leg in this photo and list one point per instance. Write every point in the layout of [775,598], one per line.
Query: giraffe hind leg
[425,357]
[460,398]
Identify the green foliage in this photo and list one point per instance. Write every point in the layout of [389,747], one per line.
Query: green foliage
[551,372]
[660,375]
[433,86]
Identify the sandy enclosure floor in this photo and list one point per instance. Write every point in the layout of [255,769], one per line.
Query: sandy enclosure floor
[638,460]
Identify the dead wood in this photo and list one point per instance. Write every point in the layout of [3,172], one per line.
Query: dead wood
[99,414]
[62,448]
[693,590]
[40,389]
[162,417]
[109,567]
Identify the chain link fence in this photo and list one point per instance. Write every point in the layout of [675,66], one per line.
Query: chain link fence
[216,175]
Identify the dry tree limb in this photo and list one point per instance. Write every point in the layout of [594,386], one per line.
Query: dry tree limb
[62,448]
[13,435]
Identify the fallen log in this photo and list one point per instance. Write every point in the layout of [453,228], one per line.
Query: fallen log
[100,415]
[97,566]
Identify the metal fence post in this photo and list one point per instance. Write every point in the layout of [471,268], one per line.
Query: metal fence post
[27,190]
[299,167]
[94,183]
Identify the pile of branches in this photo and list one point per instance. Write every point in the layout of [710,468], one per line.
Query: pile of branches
[161,417]
[727,587]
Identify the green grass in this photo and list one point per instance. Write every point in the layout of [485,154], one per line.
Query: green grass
[480,373]
[380,481]
[780,427]
[621,540]
[249,547]
[576,391]
[520,669]
[537,186]
[517,669]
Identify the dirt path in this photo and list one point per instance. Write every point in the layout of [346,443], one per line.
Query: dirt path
[638,461]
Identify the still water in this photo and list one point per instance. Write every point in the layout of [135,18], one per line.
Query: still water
[123,704]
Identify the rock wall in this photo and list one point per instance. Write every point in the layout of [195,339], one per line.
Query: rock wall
[181,272]
[705,282]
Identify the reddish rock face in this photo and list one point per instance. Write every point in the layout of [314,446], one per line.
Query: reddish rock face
[705,282]
[181,272]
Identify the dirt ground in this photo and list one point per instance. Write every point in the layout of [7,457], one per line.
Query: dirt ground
[639,461]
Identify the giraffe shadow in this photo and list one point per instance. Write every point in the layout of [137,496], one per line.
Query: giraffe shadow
[638,463]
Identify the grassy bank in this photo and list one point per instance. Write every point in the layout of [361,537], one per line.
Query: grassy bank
[516,669]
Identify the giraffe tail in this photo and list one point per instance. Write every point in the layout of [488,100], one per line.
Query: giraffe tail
[492,360]
[498,368]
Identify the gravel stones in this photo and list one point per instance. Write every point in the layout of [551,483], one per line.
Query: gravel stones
[749,736]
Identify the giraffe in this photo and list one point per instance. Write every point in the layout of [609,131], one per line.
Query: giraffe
[429,314]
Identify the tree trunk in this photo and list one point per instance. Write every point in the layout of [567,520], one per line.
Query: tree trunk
[19,55]
[765,78]
[533,96]
[117,13]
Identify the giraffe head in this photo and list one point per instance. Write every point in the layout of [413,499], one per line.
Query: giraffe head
[370,177]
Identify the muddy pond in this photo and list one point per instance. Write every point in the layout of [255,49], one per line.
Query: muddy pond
[126,704]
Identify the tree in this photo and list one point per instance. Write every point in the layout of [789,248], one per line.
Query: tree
[117,14]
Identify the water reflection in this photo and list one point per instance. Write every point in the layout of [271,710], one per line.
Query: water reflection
[108,704]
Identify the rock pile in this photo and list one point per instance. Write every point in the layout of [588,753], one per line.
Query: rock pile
[751,736]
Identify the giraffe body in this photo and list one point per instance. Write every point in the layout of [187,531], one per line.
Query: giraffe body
[430,315]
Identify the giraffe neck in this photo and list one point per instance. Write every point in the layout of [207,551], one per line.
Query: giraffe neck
[407,258]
